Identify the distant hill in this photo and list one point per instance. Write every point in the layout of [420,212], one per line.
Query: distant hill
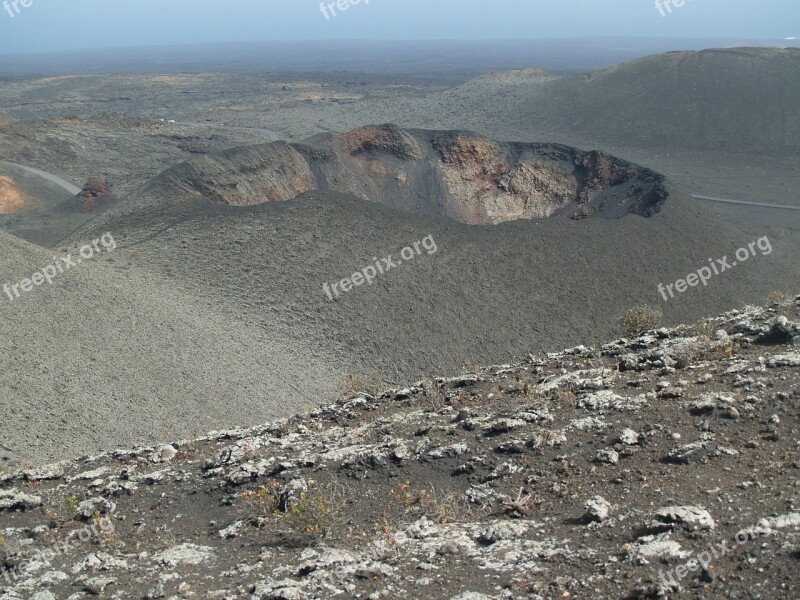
[739,100]
[732,100]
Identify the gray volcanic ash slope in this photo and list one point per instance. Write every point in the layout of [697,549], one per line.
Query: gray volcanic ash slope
[42,212]
[488,293]
[22,191]
[26,204]
[737,100]
[742,100]
[106,356]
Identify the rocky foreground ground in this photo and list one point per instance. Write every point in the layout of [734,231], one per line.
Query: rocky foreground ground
[664,466]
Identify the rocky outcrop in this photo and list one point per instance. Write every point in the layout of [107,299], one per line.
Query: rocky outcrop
[513,481]
[95,187]
[375,140]
[95,197]
[245,176]
[462,175]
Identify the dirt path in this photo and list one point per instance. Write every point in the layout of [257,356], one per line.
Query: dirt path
[72,189]
[275,136]
[713,199]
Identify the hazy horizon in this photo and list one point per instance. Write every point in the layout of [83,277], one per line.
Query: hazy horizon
[43,27]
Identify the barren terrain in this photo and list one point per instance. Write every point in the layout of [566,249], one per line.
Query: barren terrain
[650,467]
[118,126]
[290,325]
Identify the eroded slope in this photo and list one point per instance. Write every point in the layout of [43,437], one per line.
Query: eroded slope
[461,175]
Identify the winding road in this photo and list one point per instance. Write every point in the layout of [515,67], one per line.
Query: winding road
[727,201]
[71,188]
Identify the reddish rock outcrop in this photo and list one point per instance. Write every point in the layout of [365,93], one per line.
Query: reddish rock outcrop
[12,199]
[95,187]
[386,139]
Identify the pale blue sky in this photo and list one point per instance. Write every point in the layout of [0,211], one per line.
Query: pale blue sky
[54,25]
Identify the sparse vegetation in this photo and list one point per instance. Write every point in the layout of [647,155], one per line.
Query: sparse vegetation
[708,348]
[62,510]
[308,513]
[776,297]
[639,319]
[432,391]
[263,502]
[72,502]
[704,327]
[353,384]
[442,508]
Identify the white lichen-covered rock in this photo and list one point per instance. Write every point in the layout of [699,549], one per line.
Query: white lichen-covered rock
[13,500]
[598,508]
[184,554]
[656,549]
[692,516]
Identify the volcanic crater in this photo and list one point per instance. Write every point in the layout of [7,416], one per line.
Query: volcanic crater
[458,174]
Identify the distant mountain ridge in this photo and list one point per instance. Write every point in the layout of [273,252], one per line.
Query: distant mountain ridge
[740,100]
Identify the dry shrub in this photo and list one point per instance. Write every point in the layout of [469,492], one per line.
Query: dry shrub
[310,513]
[639,319]
[439,507]
[776,297]
[354,384]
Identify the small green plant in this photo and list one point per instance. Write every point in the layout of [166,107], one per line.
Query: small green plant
[639,319]
[62,510]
